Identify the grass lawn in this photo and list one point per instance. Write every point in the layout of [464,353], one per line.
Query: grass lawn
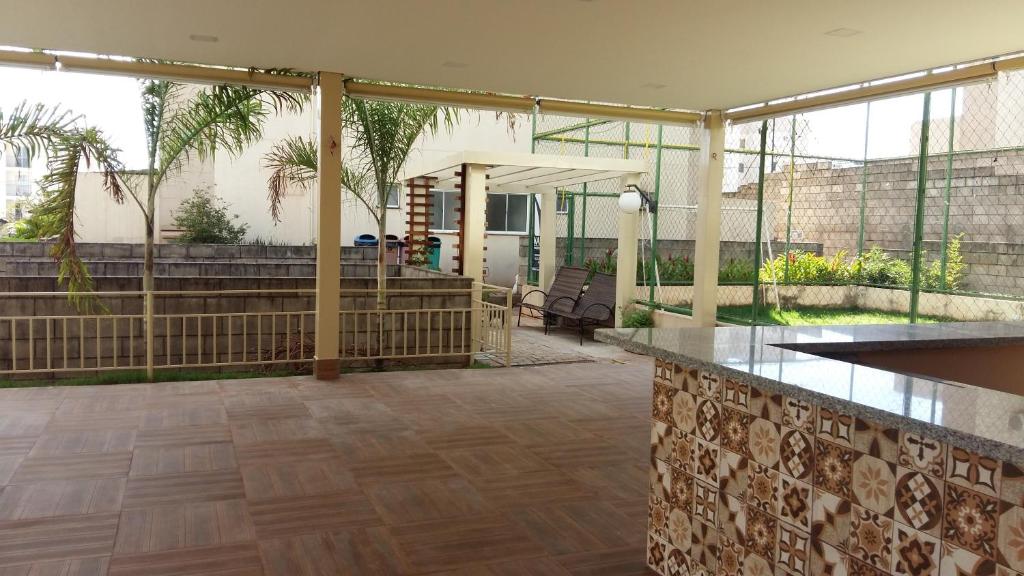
[814,316]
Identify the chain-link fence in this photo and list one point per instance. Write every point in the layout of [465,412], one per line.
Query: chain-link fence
[907,209]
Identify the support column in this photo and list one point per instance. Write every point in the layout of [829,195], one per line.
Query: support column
[474,229]
[328,233]
[548,239]
[625,264]
[709,221]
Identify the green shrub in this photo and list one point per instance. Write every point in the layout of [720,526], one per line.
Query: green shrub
[638,318]
[877,267]
[736,272]
[203,219]
[605,265]
[955,268]
[799,267]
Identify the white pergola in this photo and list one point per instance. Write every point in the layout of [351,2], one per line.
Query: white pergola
[542,174]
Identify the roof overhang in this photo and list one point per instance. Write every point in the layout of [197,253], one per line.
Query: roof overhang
[514,173]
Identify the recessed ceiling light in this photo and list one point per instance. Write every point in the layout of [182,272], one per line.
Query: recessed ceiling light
[454,64]
[842,32]
[203,38]
[653,86]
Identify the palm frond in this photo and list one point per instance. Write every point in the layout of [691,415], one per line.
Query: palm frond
[291,161]
[33,127]
[68,154]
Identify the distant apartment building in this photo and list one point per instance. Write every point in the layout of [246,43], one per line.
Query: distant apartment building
[18,176]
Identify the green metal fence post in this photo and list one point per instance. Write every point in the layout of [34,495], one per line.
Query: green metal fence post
[583,218]
[756,307]
[922,181]
[789,202]
[531,237]
[864,181]
[654,217]
[570,225]
[949,181]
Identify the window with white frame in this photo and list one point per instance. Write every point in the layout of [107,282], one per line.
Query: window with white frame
[505,212]
[393,194]
[562,200]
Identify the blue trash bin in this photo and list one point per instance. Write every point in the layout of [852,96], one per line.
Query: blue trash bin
[434,252]
[365,240]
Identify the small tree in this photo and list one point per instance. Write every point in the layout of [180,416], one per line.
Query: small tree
[203,219]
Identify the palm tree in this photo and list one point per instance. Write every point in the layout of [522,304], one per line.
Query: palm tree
[33,127]
[181,123]
[381,135]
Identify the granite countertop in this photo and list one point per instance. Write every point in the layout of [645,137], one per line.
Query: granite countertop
[989,422]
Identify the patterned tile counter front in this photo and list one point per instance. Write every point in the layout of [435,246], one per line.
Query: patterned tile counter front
[767,480]
[750,482]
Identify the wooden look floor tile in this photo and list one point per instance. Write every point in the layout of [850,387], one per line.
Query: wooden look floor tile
[185,435]
[111,404]
[363,551]
[72,466]
[31,424]
[614,482]
[96,566]
[8,464]
[59,538]
[401,468]
[278,429]
[171,401]
[145,491]
[579,527]
[528,488]
[284,517]
[123,420]
[303,478]
[617,562]
[61,498]
[579,453]
[18,446]
[285,451]
[293,410]
[450,544]
[84,442]
[359,443]
[232,560]
[161,528]
[464,437]
[408,502]
[202,387]
[184,416]
[152,461]
[495,461]
[546,431]
[352,411]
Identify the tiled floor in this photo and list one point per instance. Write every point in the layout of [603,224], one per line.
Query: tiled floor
[538,471]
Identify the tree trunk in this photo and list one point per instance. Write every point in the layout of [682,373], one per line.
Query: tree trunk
[382,261]
[147,263]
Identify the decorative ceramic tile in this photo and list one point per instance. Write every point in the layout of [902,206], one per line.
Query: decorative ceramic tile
[795,502]
[833,468]
[681,490]
[871,538]
[1004,571]
[683,452]
[735,431]
[705,503]
[979,473]
[915,553]
[876,440]
[830,518]
[763,489]
[859,568]
[970,520]
[835,427]
[661,441]
[730,557]
[764,442]
[661,403]
[1010,545]
[923,454]
[733,471]
[709,385]
[796,454]
[684,378]
[794,550]
[732,518]
[657,517]
[1012,489]
[736,395]
[765,405]
[708,420]
[762,534]
[663,372]
[706,462]
[656,554]
[661,479]
[754,565]
[874,483]
[956,561]
[676,563]
[798,414]
[704,550]
[827,560]
[919,501]
[684,412]
[680,531]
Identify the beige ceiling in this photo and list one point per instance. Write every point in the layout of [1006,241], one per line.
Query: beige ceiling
[670,53]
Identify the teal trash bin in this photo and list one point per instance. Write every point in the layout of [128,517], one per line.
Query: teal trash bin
[434,252]
[365,240]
